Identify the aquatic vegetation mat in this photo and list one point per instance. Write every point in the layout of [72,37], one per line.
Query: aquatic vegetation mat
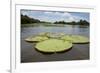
[53,45]
[44,34]
[36,39]
[75,38]
[55,42]
[55,35]
[52,35]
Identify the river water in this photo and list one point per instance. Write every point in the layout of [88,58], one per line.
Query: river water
[78,51]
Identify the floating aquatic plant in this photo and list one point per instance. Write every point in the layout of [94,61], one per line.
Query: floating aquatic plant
[44,34]
[56,35]
[52,35]
[53,45]
[54,42]
[36,39]
[75,38]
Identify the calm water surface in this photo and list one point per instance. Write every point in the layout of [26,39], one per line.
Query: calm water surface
[78,51]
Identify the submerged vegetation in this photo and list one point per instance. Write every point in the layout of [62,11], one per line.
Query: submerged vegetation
[53,42]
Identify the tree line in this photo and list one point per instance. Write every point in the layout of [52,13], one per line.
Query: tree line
[27,20]
[81,22]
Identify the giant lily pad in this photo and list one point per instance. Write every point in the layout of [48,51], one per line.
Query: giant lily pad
[36,39]
[53,45]
[56,35]
[52,35]
[44,34]
[75,38]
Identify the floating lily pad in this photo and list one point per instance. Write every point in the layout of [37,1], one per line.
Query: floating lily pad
[53,45]
[44,34]
[75,38]
[52,35]
[56,35]
[36,39]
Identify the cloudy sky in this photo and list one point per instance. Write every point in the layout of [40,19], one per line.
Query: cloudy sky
[51,16]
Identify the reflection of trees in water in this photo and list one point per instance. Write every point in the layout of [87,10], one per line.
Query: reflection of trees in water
[79,29]
[83,26]
[81,22]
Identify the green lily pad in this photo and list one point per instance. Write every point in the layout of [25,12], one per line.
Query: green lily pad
[56,35]
[44,34]
[52,35]
[75,38]
[53,45]
[36,39]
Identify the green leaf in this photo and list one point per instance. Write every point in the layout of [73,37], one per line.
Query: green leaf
[53,45]
[75,38]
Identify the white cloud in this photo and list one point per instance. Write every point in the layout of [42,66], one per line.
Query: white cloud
[66,14]
[62,16]
[77,18]
[48,12]
[68,17]
[24,13]
[53,16]
[58,16]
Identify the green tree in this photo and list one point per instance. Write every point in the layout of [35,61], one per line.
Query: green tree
[25,19]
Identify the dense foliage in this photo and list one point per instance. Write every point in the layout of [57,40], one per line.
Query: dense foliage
[25,19]
[81,22]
